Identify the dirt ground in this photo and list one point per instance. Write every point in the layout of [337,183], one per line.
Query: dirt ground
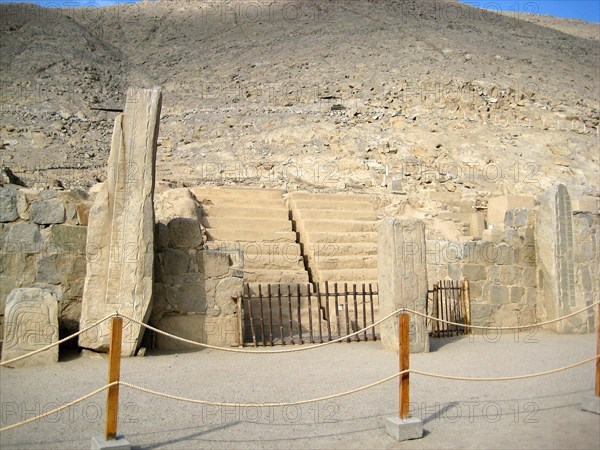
[534,413]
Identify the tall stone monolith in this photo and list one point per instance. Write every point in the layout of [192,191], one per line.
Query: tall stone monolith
[120,238]
[402,279]
[555,249]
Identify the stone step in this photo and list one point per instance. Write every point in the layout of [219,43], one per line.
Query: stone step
[254,198]
[338,197]
[327,214]
[343,237]
[339,225]
[329,250]
[273,262]
[275,276]
[241,211]
[284,249]
[230,192]
[347,275]
[244,223]
[215,234]
[332,204]
[346,262]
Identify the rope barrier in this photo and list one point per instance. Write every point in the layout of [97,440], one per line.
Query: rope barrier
[296,349]
[265,405]
[49,346]
[513,328]
[352,391]
[362,330]
[515,377]
[60,408]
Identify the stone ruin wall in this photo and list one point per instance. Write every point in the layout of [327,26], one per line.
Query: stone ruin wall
[43,245]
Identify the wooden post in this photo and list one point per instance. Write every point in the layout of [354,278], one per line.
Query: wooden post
[597,390]
[467,303]
[403,354]
[114,370]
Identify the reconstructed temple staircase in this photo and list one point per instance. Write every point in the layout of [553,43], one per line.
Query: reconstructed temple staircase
[303,254]
[338,233]
[299,237]
[254,225]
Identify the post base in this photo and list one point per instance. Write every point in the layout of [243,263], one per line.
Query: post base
[404,429]
[591,403]
[120,443]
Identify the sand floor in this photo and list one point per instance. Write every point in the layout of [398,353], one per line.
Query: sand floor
[534,413]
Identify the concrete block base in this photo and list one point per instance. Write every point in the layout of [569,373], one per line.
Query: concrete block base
[591,403]
[404,429]
[120,443]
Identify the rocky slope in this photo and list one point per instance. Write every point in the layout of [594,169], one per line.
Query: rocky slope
[316,95]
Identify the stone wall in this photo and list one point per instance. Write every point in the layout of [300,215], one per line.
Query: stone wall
[42,244]
[196,291]
[587,261]
[501,273]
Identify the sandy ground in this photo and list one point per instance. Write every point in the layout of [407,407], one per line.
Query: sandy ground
[535,413]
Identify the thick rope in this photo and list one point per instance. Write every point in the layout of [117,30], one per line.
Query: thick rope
[515,377]
[352,391]
[296,349]
[49,346]
[261,405]
[514,327]
[299,402]
[60,408]
[342,338]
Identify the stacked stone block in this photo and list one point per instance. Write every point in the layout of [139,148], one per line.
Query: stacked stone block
[43,244]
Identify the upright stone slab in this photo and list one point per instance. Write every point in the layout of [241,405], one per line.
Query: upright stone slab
[402,271]
[555,253]
[31,322]
[120,238]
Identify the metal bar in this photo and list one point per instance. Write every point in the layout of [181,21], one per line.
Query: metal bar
[467,306]
[262,316]
[249,298]
[347,311]
[290,314]
[270,315]
[114,371]
[320,312]
[355,312]
[328,310]
[337,310]
[280,315]
[300,317]
[310,321]
[364,308]
[372,312]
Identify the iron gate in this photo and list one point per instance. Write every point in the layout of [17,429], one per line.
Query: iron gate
[448,300]
[297,313]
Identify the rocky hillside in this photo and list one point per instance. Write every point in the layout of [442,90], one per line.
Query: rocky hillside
[316,95]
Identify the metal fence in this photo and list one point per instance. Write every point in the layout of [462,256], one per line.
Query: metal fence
[282,314]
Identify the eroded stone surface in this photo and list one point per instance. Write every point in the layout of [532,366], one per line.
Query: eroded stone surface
[121,226]
[31,322]
[403,279]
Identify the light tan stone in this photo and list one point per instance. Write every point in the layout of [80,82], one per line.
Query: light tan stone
[402,270]
[121,227]
[31,323]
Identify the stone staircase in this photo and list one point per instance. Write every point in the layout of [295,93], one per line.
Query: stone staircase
[253,225]
[338,233]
